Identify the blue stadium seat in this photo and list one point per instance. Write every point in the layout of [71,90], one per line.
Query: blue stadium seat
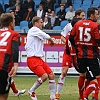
[5,2]
[17,28]
[7,10]
[77,2]
[87,2]
[57,28]
[67,9]
[1,2]
[23,24]
[63,23]
[75,7]
[25,28]
[85,7]
[37,2]
[96,2]
[57,9]
[94,6]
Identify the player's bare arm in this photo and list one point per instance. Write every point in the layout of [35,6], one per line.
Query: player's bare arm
[51,42]
[63,39]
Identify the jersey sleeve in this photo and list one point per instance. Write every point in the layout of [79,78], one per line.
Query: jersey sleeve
[66,30]
[39,33]
[16,37]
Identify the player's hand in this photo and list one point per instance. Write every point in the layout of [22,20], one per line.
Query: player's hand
[13,71]
[51,42]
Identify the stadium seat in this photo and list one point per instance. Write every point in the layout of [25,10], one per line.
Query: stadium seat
[75,7]
[57,9]
[1,2]
[63,23]
[5,2]
[25,28]
[96,2]
[23,24]
[85,7]
[87,2]
[77,2]
[37,2]
[7,10]
[67,9]
[17,28]
[57,28]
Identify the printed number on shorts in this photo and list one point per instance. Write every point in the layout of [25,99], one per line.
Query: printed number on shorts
[84,34]
[3,37]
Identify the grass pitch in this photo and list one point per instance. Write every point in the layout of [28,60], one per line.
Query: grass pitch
[69,90]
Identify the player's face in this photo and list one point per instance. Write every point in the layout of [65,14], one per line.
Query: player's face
[12,24]
[82,15]
[96,16]
[40,24]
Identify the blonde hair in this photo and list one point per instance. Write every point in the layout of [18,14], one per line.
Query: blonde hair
[35,19]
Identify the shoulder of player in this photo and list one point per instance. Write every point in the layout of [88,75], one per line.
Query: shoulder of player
[15,33]
[33,29]
[92,23]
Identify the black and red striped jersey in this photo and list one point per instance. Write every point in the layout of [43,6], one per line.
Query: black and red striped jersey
[85,34]
[6,38]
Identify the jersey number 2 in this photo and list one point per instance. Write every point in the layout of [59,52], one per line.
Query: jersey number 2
[5,36]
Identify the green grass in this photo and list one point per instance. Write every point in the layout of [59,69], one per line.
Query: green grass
[69,91]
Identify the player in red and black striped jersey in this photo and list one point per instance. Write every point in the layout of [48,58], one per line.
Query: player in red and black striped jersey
[86,39]
[9,43]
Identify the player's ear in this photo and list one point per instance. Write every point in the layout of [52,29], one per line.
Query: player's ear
[11,25]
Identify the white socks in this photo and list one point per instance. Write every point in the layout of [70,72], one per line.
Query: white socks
[52,87]
[36,85]
[60,84]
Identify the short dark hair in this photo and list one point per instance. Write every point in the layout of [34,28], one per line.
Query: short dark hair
[6,19]
[74,20]
[78,12]
[35,19]
[90,11]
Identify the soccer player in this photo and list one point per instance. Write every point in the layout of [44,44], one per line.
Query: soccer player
[85,37]
[78,14]
[34,49]
[9,43]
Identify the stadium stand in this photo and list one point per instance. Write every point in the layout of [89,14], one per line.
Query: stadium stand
[87,2]
[63,23]
[23,24]
[17,28]
[84,4]
[57,28]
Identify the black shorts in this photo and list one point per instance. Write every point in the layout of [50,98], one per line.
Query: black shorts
[89,75]
[92,64]
[5,82]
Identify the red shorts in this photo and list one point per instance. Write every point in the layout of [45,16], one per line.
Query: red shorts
[67,60]
[38,66]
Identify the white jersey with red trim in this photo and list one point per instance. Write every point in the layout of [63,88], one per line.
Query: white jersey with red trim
[34,45]
[66,30]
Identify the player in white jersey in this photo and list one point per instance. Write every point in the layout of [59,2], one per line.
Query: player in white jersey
[78,14]
[34,49]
